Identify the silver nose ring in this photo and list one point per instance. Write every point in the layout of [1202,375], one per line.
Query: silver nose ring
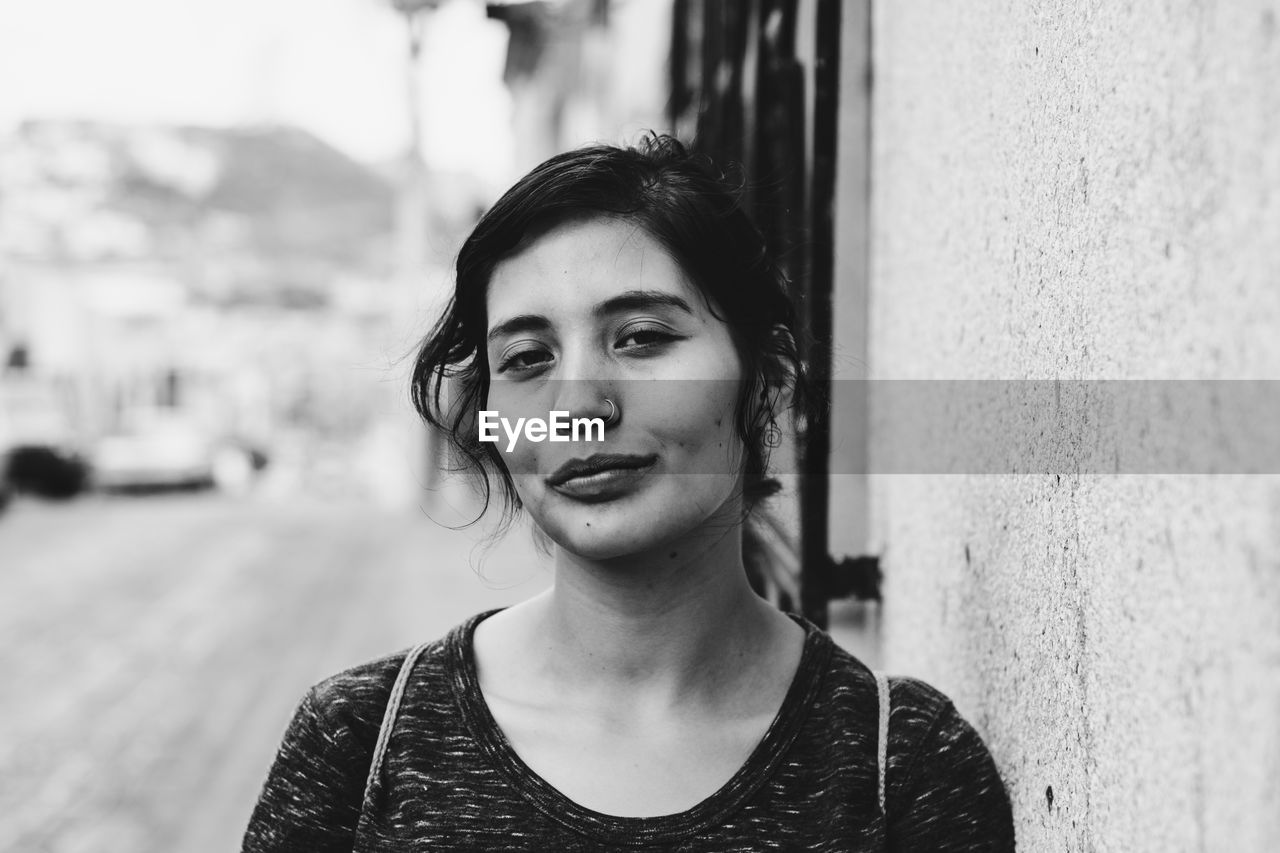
[614,413]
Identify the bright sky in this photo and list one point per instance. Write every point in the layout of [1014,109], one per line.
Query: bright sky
[335,67]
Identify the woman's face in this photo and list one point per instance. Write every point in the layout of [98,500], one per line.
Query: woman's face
[597,309]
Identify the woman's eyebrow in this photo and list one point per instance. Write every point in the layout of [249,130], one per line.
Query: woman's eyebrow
[638,300]
[631,300]
[517,324]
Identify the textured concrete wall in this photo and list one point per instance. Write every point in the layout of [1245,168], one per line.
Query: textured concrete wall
[1087,190]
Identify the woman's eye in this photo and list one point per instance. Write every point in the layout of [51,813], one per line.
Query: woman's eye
[643,338]
[524,360]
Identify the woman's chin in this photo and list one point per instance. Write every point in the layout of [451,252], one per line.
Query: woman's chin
[610,535]
[623,539]
[647,522]
[602,541]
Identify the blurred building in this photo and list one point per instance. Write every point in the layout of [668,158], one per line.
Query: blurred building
[583,71]
[234,279]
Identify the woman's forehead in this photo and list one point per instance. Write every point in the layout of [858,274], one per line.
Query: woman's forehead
[581,264]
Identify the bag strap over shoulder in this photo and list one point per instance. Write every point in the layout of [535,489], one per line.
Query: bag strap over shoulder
[389,718]
[882,734]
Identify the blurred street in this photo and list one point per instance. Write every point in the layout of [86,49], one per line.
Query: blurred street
[153,648]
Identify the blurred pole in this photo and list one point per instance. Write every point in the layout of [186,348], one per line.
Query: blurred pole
[817,578]
[412,212]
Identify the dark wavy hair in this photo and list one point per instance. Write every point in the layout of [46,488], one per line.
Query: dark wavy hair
[681,200]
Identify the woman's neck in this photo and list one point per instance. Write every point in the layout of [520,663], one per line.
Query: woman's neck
[668,622]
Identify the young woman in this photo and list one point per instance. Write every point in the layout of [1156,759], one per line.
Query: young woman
[649,700]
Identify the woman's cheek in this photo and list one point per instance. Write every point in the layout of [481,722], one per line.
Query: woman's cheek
[702,437]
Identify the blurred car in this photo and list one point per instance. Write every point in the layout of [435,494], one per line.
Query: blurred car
[38,449]
[158,451]
[167,449]
[48,471]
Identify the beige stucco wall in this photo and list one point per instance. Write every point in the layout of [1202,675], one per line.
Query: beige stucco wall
[1086,190]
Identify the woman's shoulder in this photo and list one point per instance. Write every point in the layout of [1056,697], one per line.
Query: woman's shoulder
[916,700]
[921,717]
[941,779]
[909,696]
[312,796]
[356,698]
[358,689]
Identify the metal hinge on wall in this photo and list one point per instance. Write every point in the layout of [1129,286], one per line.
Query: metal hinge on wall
[773,562]
[856,577]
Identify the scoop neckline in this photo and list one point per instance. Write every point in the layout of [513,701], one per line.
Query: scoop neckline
[637,831]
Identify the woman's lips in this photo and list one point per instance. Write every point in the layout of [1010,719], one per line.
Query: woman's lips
[600,478]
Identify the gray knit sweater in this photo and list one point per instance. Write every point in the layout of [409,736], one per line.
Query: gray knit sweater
[449,780]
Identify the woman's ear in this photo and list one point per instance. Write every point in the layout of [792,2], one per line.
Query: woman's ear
[778,370]
[769,399]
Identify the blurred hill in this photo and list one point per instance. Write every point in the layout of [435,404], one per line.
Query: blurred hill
[245,214]
[249,280]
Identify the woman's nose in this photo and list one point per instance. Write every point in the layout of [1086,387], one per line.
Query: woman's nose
[587,398]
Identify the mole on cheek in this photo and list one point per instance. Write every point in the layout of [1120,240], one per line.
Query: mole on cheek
[672,555]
